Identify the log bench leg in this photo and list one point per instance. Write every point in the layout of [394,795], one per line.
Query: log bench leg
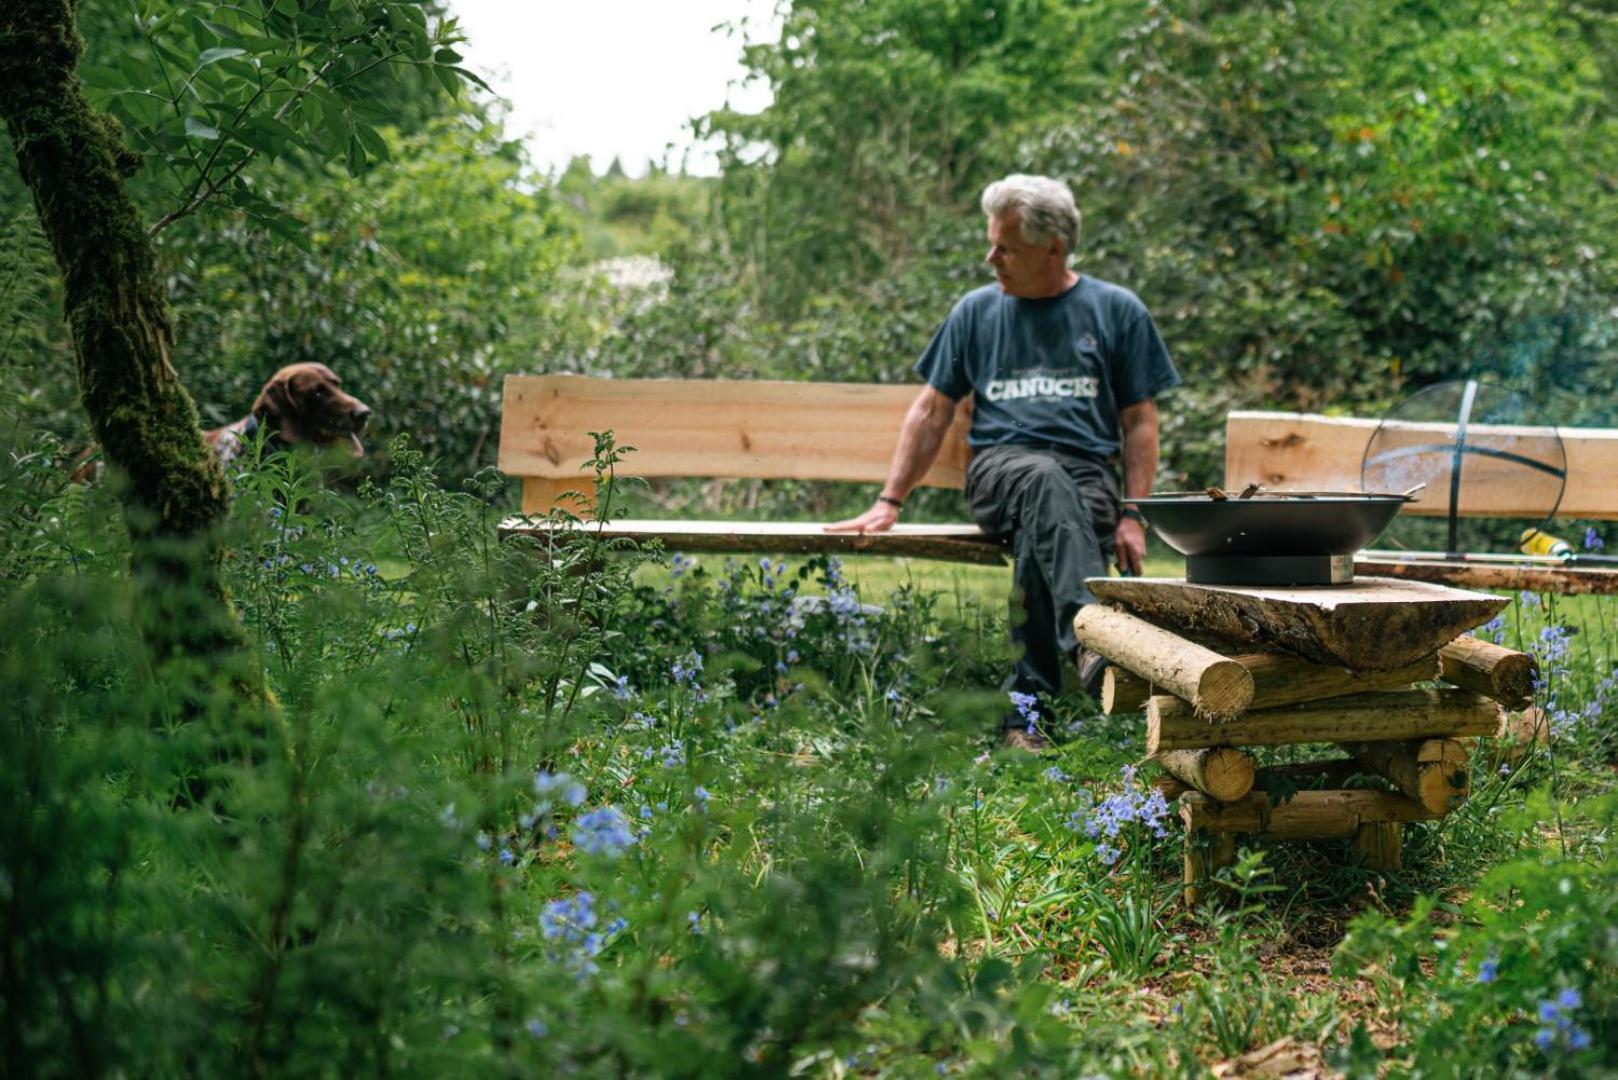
[1379,845]
[1206,853]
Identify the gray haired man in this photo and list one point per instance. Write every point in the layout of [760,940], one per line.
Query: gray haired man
[1063,369]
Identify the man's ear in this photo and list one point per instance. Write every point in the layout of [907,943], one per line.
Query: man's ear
[276,409]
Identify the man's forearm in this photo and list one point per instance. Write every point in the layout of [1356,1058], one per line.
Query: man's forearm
[1140,458]
[920,437]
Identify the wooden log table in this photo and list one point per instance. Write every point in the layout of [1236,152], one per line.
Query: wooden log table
[1216,669]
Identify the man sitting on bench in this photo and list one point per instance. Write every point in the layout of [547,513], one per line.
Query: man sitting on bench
[1063,369]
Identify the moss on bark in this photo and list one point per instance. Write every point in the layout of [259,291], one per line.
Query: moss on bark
[74,162]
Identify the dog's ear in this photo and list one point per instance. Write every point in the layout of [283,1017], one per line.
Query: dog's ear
[277,408]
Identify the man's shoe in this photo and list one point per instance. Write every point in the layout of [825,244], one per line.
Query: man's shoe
[1092,668]
[1021,738]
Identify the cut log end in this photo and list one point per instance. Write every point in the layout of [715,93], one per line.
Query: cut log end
[1224,691]
[1222,773]
[1123,692]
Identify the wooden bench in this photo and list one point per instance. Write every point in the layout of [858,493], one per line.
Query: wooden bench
[730,429]
[1306,452]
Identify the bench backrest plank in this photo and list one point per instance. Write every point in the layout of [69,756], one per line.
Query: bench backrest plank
[719,428]
[1306,452]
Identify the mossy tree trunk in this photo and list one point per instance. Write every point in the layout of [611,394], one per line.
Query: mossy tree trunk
[74,162]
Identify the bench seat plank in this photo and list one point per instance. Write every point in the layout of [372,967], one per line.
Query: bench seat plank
[956,543]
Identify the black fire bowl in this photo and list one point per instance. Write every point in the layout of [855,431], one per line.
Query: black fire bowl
[1270,523]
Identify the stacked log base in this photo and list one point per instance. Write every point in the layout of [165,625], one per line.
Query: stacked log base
[1324,665]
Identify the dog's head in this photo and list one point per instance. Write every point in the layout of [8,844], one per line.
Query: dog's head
[306,403]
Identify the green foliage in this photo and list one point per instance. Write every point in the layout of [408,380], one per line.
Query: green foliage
[203,94]
[656,214]
[1518,981]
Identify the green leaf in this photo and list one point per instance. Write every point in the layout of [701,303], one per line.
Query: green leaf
[223,52]
[356,157]
[197,129]
[471,78]
[375,145]
[447,56]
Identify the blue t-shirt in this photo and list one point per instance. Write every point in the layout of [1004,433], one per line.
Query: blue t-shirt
[1054,371]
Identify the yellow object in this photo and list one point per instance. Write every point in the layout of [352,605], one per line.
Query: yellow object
[1536,542]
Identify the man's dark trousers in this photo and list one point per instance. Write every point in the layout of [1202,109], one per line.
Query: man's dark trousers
[1060,509]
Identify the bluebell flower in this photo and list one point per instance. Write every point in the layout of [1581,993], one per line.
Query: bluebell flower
[506,856]
[1548,1012]
[693,920]
[1569,999]
[560,785]
[702,796]
[1592,539]
[1544,1037]
[1056,775]
[1489,970]
[1528,599]
[569,917]
[673,754]
[482,840]
[536,1027]
[620,688]
[1027,705]
[604,831]
[687,668]
[1552,644]
[1578,1039]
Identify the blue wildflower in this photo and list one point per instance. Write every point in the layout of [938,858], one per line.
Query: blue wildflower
[1489,970]
[702,796]
[1569,999]
[506,856]
[536,1027]
[561,785]
[1027,705]
[1592,539]
[602,832]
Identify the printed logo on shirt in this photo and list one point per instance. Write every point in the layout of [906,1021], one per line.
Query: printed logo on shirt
[1041,385]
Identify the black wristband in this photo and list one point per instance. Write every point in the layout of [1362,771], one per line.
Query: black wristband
[891,501]
[1132,514]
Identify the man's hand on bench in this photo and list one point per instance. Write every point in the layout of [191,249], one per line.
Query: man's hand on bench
[879,518]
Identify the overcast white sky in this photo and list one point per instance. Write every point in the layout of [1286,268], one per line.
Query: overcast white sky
[612,77]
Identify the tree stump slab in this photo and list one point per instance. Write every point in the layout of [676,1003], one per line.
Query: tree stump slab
[1375,624]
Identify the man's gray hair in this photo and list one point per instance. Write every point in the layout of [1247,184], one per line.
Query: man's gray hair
[1046,204]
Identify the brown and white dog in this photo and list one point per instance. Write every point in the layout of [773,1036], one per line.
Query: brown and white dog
[301,403]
